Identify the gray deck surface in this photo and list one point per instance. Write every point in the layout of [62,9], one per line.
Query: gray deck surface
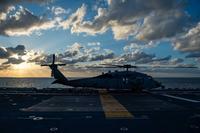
[68,103]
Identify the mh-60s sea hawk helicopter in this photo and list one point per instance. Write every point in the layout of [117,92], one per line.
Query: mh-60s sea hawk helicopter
[118,80]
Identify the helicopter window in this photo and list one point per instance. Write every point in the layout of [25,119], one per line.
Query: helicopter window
[125,80]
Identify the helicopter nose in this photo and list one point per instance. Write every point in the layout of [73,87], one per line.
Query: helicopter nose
[158,84]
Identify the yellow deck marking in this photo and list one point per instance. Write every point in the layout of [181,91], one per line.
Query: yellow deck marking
[112,108]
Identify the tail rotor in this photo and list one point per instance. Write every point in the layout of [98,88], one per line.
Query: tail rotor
[53,66]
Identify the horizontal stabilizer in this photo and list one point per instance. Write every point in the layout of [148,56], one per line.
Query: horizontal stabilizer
[55,82]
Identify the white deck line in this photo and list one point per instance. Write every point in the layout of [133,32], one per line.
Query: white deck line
[181,98]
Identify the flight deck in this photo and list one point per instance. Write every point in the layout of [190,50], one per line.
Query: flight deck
[61,111]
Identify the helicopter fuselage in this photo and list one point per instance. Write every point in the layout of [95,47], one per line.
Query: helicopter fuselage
[111,80]
[116,80]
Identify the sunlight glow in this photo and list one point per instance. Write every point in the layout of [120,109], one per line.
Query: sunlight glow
[15,56]
[23,65]
[25,70]
[25,57]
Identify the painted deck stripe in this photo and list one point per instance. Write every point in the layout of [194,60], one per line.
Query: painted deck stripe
[181,98]
[112,108]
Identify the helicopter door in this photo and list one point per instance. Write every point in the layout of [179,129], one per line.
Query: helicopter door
[125,82]
[136,84]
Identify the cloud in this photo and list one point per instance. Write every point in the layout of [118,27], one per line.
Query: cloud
[89,27]
[163,25]
[19,49]
[121,31]
[73,50]
[75,19]
[78,59]
[12,55]
[83,55]
[37,57]
[9,51]
[16,20]
[57,10]
[100,57]
[177,61]
[24,22]
[163,59]
[190,41]
[12,60]
[137,46]
[150,20]
[3,53]
[4,66]
[6,4]
[139,57]
[193,55]
[19,54]
[94,44]
[4,12]
[77,53]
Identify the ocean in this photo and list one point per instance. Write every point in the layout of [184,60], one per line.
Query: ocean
[46,82]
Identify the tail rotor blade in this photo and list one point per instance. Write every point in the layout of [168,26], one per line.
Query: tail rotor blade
[61,64]
[53,59]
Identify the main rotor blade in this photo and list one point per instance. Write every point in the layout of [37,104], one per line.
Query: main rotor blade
[45,65]
[112,65]
[122,66]
[162,66]
[174,66]
[60,64]
[53,64]
[101,67]
[118,65]
[186,67]
[141,66]
[106,64]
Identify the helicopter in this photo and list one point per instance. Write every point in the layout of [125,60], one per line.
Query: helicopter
[117,80]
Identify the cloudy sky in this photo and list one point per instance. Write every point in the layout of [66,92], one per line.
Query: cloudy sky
[88,32]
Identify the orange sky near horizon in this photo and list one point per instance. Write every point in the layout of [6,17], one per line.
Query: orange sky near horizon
[33,70]
[38,71]
[41,73]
